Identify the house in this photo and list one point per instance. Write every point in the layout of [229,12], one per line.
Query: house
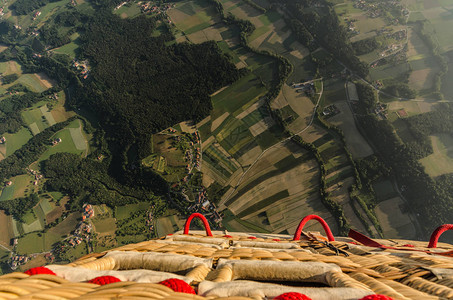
[2,140]
[8,183]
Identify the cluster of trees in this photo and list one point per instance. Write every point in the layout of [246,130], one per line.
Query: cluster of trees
[23,7]
[324,26]
[7,79]
[9,34]
[365,46]
[423,125]
[10,108]
[89,181]
[127,227]
[400,89]
[302,34]
[20,206]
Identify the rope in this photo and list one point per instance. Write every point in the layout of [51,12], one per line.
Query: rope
[437,233]
[202,218]
[320,220]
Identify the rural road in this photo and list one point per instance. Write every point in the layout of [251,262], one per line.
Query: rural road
[1,246]
[282,141]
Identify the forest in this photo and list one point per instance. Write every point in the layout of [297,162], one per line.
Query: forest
[155,85]
[88,181]
[365,46]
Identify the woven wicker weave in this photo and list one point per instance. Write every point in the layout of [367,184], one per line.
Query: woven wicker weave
[247,266]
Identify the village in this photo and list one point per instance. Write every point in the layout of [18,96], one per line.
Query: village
[376,9]
[189,187]
[151,7]
[82,232]
[83,67]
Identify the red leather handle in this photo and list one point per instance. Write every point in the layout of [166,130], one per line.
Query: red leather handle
[437,233]
[202,218]
[320,220]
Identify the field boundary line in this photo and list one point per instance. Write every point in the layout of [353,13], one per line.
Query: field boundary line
[280,142]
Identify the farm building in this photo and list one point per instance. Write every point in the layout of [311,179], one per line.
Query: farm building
[241,266]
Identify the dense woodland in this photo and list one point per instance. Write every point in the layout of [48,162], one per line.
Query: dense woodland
[154,86]
[365,46]
[88,180]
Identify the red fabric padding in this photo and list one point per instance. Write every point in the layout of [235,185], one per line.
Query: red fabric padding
[292,296]
[39,270]
[376,297]
[103,280]
[437,233]
[364,239]
[202,218]
[178,285]
[317,218]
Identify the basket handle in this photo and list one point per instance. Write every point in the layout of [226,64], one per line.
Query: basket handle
[202,218]
[437,233]
[320,220]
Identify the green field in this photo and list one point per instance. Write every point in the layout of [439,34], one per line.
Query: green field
[124,212]
[67,143]
[68,49]
[56,195]
[240,93]
[33,82]
[35,120]
[334,90]
[193,16]
[19,187]
[29,217]
[46,206]
[7,193]
[166,225]
[104,225]
[441,161]
[16,140]
[129,10]
[384,190]
[30,243]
